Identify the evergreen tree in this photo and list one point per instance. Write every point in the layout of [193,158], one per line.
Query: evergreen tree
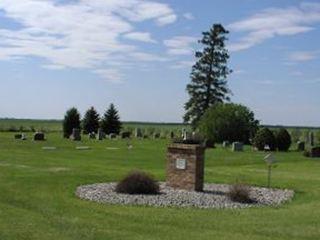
[283,140]
[71,120]
[111,121]
[208,76]
[90,122]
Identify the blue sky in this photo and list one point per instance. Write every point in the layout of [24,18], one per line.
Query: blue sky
[55,54]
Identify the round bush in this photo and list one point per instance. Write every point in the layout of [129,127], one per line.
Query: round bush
[138,182]
[228,122]
[240,193]
[264,137]
[283,140]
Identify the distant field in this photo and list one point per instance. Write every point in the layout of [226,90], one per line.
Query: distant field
[26,125]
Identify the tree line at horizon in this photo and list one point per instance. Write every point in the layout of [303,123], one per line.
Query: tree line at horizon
[91,122]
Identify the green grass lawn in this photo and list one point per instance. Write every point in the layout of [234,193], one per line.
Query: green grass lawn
[37,199]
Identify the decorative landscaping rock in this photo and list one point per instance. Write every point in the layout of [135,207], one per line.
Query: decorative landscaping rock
[213,196]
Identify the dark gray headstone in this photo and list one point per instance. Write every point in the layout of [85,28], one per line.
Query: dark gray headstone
[18,136]
[171,134]
[138,133]
[315,152]
[225,144]
[311,139]
[112,135]
[38,136]
[209,143]
[101,135]
[76,135]
[300,146]
[125,134]
[92,135]
[156,135]
[237,147]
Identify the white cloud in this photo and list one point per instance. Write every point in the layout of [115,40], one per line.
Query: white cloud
[188,16]
[302,56]
[140,36]
[183,64]
[239,71]
[110,75]
[275,22]
[180,45]
[81,34]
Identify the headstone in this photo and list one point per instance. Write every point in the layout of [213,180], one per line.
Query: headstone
[171,134]
[225,144]
[23,136]
[186,135]
[138,133]
[300,146]
[75,136]
[185,166]
[156,135]
[209,143]
[92,135]
[311,139]
[112,136]
[18,136]
[125,135]
[38,136]
[315,152]
[49,148]
[237,147]
[82,148]
[101,135]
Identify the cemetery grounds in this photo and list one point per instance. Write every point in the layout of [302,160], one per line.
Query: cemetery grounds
[37,193]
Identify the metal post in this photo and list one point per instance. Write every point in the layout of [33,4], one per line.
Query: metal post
[269,175]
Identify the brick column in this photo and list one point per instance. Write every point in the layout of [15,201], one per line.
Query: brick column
[185,166]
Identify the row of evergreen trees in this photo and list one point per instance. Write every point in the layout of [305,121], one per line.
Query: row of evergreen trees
[110,121]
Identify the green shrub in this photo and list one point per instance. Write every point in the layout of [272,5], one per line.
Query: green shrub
[283,139]
[138,182]
[264,137]
[240,192]
[228,122]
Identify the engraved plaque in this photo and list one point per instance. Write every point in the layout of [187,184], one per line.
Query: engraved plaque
[181,163]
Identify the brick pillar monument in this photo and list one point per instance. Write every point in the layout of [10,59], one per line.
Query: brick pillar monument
[185,166]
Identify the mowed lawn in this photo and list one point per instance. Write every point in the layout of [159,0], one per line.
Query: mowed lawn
[37,199]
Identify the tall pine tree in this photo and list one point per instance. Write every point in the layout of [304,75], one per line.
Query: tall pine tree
[208,76]
[111,121]
[90,122]
[71,120]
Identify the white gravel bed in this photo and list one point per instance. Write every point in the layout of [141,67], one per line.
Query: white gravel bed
[213,196]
